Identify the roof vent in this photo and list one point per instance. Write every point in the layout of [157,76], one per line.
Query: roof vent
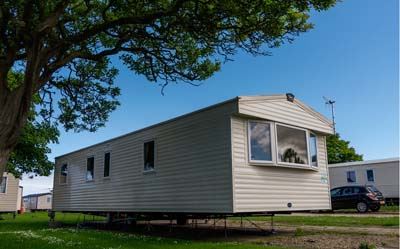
[290,97]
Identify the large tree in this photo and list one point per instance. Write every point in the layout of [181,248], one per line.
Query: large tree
[62,50]
[340,151]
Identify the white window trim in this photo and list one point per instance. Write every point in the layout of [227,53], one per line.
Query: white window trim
[272,135]
[298,165]
[109,167]
[86,167]
[6,188]
[373,175]
[316,149]
[59,176]
[153,170]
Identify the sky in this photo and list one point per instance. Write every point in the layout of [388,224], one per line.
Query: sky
[351,56]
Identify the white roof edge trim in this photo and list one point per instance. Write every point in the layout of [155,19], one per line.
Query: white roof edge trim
[386,160]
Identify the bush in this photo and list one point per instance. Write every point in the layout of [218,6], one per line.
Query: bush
[365,245]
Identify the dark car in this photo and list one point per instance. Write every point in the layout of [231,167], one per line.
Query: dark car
[361,198]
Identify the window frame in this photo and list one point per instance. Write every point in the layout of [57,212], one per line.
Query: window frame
[373,175]
[272,141]
[355,176]
[87,158]
[6,185]
[153,170]
[308,165]
[66,177]
[104,164]
[316,149]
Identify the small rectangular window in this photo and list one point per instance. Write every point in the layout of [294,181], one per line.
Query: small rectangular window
[48,199]
[149,155]
[370,175]
[63,173]
[3,185]
[313,150]
[107,164]
[260,141]
[292,145]
[90,169]
[351,176]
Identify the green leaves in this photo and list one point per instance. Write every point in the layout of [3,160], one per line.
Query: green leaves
[30,154]
[339,151]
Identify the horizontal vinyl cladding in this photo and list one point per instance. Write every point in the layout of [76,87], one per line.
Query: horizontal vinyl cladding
[271,188]
[9,200]
[192,169]
[285,112]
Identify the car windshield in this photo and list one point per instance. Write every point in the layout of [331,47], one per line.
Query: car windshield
[372,189]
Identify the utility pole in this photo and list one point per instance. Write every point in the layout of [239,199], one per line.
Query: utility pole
[332,105]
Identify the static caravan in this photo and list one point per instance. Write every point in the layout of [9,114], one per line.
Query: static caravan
[246,155]
[38,202]
[10,194]
[383,174]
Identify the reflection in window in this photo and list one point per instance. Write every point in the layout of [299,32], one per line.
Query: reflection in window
[63,173]
[260,141]
[351,176]
[3,185]
[313,150]
[370,175]
[90,169]
[292,145]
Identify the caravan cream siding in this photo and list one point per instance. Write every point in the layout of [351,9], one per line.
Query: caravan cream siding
[278,109]
[271,188]
[192,169]
[9,200]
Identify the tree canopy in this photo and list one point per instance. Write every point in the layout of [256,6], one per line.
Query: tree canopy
[340,151]
[60,50]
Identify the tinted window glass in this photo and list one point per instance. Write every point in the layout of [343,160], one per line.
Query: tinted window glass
[370,175]
[313,150]
[347,191]
[148,155]
[3,185]
[351,176]
[90,169]
[292,145]
[336,192]
[260,141]
[107,164]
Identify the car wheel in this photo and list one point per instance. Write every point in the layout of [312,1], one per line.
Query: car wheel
[375,208]
[362,207]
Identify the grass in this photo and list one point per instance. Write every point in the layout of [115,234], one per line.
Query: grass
[31,231]
[326,220]
[393,208]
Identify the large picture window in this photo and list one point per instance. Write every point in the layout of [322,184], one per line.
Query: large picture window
[63,173]
[291,145]
[90,169]
[260,141]
[149,155]
[3,185]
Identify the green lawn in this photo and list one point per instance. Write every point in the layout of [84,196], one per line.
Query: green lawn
[31,231]
[326,220]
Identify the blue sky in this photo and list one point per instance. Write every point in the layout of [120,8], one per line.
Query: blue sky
[351,55]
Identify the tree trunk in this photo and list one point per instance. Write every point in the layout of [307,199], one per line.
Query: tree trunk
[14,109]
